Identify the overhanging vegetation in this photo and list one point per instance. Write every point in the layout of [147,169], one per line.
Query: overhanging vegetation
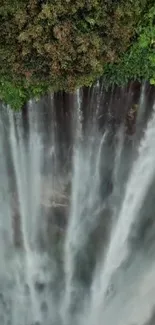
[50,45]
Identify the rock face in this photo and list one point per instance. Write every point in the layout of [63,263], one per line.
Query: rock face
[71,153]
[109,110]
[55,210]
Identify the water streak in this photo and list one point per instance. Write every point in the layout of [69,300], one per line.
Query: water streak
[139,181]
[76,229]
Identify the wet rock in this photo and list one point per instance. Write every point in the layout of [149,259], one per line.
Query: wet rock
[16,230]
[131,120]
[40,286]
[58,215]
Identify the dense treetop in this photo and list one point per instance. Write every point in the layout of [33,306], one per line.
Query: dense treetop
[64,44]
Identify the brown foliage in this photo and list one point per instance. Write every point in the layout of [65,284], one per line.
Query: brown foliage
[62,40]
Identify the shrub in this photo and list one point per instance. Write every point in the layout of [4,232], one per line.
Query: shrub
[63,44]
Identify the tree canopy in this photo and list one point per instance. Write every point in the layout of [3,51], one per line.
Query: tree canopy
[64,44]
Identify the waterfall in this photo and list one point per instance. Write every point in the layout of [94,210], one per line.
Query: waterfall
[142,173]
[77,194]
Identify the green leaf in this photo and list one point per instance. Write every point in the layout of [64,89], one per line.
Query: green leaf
[152,81]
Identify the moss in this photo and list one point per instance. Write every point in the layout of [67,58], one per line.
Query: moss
[54,45]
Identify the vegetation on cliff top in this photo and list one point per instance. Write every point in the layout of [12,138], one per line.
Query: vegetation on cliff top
[63,44]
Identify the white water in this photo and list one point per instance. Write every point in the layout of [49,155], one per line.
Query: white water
[139,181]
[26,162]
[50,277]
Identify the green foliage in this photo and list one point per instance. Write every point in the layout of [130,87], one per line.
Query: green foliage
[138,62]
[12,94]
[64,44]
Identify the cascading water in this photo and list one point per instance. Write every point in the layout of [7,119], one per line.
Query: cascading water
[76,227]
[141,177]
